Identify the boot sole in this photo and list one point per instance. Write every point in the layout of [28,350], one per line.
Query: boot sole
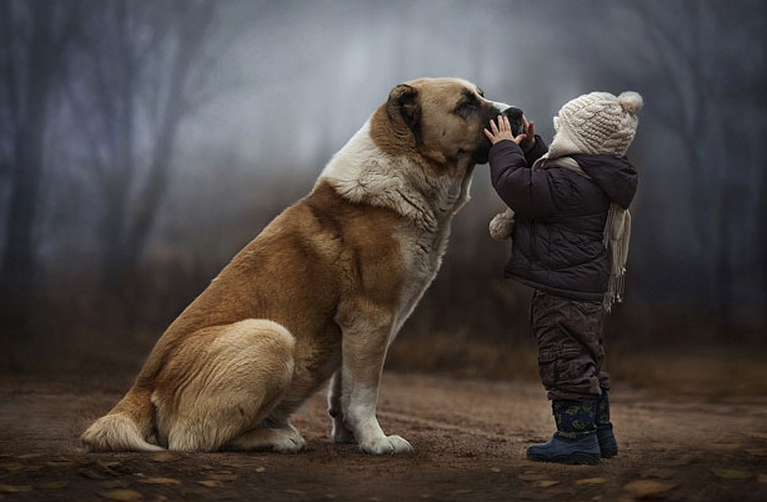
[571,459]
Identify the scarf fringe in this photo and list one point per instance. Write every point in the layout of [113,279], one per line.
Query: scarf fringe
[616,240]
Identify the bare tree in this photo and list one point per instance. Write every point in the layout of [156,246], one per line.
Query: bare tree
[678,47]
[34,38]
[143,72]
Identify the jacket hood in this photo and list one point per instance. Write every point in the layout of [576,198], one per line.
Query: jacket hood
[614,175]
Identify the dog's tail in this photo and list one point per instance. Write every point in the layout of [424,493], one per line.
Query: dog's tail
[126,427]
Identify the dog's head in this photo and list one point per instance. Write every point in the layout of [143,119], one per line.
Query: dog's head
[442,119]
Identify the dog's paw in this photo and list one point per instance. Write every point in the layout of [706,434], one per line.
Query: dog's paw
[387,445]
[290,443]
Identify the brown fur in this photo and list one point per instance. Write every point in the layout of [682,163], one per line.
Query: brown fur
[324,281]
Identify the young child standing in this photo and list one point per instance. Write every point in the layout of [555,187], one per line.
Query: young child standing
[570,229]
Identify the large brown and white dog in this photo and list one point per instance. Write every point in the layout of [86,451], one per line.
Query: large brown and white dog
[319,294]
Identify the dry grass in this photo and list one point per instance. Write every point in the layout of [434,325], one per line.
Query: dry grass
[720,374]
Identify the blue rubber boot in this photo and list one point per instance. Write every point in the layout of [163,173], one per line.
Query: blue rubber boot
[575,441]
[608,447]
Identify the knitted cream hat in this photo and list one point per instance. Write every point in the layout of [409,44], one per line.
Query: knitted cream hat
[596,123]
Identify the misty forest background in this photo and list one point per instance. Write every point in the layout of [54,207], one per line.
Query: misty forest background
[143,143]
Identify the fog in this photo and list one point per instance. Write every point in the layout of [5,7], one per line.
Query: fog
[143,143]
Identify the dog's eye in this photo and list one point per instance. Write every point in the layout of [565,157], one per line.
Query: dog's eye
[466,107]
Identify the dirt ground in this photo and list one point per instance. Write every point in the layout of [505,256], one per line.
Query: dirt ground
[469,435]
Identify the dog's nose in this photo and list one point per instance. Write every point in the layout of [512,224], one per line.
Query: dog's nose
[515,118]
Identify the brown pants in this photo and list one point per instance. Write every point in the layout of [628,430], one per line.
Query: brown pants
[570,351]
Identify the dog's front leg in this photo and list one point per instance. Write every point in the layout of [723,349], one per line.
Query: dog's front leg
[341,433]
[364,351]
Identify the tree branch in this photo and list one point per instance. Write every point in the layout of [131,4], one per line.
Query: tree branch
[10,62]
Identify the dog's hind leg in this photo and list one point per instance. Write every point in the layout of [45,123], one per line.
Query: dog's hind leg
[223,381]
[284,439]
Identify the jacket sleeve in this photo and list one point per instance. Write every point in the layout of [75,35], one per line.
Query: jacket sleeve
[537,151]
[527,192]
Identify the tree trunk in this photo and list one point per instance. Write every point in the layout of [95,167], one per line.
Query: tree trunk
[191,36]
[18,262]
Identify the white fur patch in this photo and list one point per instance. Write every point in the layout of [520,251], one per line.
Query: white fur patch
[362,172]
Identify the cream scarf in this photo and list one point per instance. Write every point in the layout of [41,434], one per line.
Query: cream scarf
[616,237]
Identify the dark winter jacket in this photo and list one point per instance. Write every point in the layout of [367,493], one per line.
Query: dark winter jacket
[560,217]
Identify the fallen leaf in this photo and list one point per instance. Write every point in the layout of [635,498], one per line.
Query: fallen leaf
[13,466]
[112,484]
[52,485]
[531,476]
[222,476]
[723,446]
[495,469]
[122,495]
[164,456]
[658,472]
[591,481]
[15,488]
[646,488]
[260,469]
[160,481]
[59,463]
[210,483]
[732,473]
[545,483]
[90,473]
[30,455]
[757,452]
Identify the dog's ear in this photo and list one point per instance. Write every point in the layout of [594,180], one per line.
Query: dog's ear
[404,107]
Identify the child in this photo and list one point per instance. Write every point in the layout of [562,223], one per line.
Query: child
[570,239]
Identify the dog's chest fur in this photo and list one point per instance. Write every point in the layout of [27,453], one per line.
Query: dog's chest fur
[361,173]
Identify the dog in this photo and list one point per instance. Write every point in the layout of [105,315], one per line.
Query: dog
[319,294]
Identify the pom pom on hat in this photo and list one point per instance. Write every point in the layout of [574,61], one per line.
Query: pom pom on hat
[631,101]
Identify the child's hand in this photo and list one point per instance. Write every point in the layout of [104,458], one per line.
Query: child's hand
[502,131]
[529,128]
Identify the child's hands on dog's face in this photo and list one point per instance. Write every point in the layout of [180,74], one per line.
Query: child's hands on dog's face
[502,131]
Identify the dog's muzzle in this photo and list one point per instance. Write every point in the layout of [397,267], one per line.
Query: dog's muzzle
[514,115]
